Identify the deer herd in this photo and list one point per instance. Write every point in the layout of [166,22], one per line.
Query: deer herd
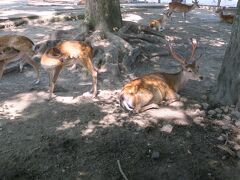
[138,95]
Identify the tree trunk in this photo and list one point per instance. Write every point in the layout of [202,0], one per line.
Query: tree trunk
[228,85]
[103,13]
[218,4]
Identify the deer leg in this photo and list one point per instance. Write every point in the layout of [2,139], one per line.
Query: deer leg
[91,69]
[53,75]
[35,67]
[2,65]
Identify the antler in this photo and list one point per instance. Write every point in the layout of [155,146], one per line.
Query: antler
[176,56]
[194,47]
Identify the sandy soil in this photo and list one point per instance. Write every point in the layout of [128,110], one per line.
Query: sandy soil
[77,137]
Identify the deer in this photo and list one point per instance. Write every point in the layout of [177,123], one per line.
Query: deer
[160,23]
[148,91]
[64,54]
[183,8]
[17,48]
[225,18]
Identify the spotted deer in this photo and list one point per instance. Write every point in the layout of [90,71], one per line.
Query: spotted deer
[225,18]
[68,53]
[183,8]
[150,90]
[160,23]
[17,48]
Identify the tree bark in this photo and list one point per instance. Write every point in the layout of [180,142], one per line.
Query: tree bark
[228,84]
[103,13]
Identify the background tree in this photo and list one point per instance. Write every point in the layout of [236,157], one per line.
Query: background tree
[103,12]
[228,84]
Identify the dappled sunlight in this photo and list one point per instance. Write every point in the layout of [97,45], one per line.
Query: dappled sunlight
[67,125]
[132,17]
[16,105]
[171,115]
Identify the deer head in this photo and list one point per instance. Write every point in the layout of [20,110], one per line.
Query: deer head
[189,65]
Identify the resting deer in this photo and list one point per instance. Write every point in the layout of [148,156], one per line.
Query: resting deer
[225,18]
[183,8]
[148,91]
[21,48]
[160,23]
[68,53]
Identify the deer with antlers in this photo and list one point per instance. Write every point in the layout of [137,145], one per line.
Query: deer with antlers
[183,8]
[68,53]
[150,90]
[225,18]
[14,48]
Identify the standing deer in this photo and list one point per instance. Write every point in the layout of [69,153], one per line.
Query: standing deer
[148,91]
[225,18]
[183,8]
[14,48]
[160,23]
[68,53]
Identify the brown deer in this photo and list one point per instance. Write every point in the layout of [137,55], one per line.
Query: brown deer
[160,23]
[14,48]
[225,18]
[148,91]
[183,8]
[68,53]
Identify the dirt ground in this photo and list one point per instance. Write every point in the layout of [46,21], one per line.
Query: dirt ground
[77,137]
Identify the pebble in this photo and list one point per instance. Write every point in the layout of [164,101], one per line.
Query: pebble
[219,116]
[183,99]
[237,123]
[201,113]
[221,138]
[1,109]
[167,128]
[155,155]
[205,106]
[238,153]
[204,97]
[236,114]
[218,110]
[198,106]
[226,117]
[225,109]
[212,112]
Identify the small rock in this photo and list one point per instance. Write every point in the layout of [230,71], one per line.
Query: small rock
[205,106]
[155,155]
[232,106]
[212,112]
[226,117]
[167,128]
[1,129]
[236,114]
[237,123]
[218,110]
[225,109]
[198,120]
[224,157]
[1,109]
[221,138]
[188,134]
[238,153]
[198,106]
[204,97]
[219,116]
[201,113]
[183,99]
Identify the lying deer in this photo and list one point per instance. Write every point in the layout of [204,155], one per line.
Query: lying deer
[68,53]
[14,48]
[160,23]
[225,18]
[148,91]
[183,8]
